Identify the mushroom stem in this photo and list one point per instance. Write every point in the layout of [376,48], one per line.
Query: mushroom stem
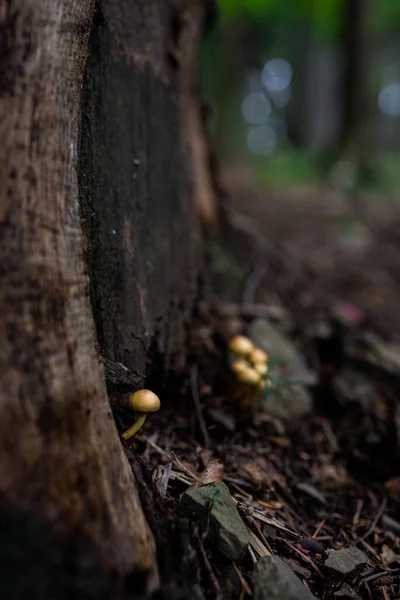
[135,427]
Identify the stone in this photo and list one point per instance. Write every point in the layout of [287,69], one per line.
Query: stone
[347,593]
[223,525]
[274,580]
[290,399]
[342,563]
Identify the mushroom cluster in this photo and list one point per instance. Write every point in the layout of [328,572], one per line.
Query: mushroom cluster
[249,366]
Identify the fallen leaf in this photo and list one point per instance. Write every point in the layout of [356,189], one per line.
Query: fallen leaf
[393,487]
[259,472]
[388,556]
[213,473]
[332,474]
[205,456]
[282,442]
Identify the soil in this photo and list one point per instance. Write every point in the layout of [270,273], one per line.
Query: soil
[330,481]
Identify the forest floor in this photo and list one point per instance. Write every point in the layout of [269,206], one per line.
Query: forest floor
[328,277]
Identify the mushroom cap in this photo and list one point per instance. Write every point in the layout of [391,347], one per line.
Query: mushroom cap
[144,401]
[249,376]
[258,356]
[240,345]
[261,368]
[239,365]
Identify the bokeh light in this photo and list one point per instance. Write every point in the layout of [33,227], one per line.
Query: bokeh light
[262,140]
[256,108]
[389,99]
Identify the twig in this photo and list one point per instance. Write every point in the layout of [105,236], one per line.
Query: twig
[306,558]
[252,283]
[258,546]
[257,514]
[243,582]
[218,595]
[376,576]
[357,514]
[385,593]
[318,529]
[262,536]
[252,311]
[172,456]
[194,384]
[374,523]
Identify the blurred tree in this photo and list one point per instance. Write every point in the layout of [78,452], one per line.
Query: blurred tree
[354,158]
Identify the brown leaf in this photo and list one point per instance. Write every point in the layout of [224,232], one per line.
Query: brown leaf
[281,441]
[213,473]
[393,487]
[335,474]
[259,472]
[388,556]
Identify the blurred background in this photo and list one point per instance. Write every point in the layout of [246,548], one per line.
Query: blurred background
[303,111]
[306,90]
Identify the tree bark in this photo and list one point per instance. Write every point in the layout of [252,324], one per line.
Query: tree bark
[71,523]
[136,183]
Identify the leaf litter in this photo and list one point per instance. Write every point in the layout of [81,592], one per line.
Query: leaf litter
[326,482]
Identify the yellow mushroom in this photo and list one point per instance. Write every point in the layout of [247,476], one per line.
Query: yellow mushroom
[248,376]
[261,368]
[239,365]
[258,356]
[142,402]
[240,345]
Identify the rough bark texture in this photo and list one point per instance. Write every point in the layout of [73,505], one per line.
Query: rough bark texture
[71,524]
[195,19]
[136,188]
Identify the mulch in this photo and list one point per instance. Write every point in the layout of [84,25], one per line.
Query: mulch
[329,481]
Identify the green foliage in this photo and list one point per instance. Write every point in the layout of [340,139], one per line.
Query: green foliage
[324,15]
[287,167]
[276,380]
[385,16]
[230,9]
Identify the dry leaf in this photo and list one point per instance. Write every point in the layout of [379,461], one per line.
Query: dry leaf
[259,472]
[213,473]
[336,474]
[393,487]
[388,556]
[205,456]
[282,442]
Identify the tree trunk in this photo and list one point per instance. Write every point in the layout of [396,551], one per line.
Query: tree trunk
[71,522]
[143,239]
[354,157]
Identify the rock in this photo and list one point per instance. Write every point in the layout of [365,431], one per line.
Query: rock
[347,593]
[274,580]
[352,386]
[287,401]
[223,524]
[341,563]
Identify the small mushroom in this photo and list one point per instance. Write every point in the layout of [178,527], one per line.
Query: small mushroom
[249,376]
[142,402]
[240,345]
[261,368]
[239,366]
[258,356]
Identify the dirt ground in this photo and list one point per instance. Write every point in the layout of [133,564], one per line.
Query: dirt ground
[335,247]
[330,480]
